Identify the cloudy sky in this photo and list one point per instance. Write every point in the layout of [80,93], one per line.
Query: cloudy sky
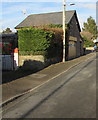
[12,12]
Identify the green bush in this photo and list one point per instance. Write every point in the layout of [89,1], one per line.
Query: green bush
[33,41]
[88,43]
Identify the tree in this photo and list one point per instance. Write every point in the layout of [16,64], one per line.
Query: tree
[7,30]
[91,27]
[88,43]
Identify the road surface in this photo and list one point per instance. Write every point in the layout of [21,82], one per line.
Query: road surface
[70,95]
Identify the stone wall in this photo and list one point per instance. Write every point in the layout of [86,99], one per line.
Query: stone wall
[32,57]
[33,62]
[36,62]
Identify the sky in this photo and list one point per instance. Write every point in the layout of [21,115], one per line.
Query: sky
[12,12]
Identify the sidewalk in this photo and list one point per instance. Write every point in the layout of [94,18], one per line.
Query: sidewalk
[26,84]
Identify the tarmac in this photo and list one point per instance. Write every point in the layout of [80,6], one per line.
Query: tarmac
[24,85]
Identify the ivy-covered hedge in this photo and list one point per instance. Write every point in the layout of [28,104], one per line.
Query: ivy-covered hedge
[33,41]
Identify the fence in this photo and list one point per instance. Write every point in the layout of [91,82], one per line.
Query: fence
[7,62]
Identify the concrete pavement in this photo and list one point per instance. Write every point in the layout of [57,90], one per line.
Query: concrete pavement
[21,86]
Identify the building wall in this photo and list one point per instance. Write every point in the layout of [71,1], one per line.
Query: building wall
[81,46]
[74,35]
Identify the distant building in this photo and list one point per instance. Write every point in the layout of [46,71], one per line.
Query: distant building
[8,42]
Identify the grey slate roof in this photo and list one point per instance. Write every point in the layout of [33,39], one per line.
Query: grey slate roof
[45,19]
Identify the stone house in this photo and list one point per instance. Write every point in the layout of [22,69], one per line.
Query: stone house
[74,42]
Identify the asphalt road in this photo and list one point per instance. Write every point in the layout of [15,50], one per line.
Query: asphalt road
[71,95]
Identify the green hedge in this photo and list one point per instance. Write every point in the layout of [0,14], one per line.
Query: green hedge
[33,41]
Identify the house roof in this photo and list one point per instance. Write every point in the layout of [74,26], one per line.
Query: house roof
[45,19]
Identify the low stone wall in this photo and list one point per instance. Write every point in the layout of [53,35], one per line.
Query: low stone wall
[36,62]
[32,57]
[33,62]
